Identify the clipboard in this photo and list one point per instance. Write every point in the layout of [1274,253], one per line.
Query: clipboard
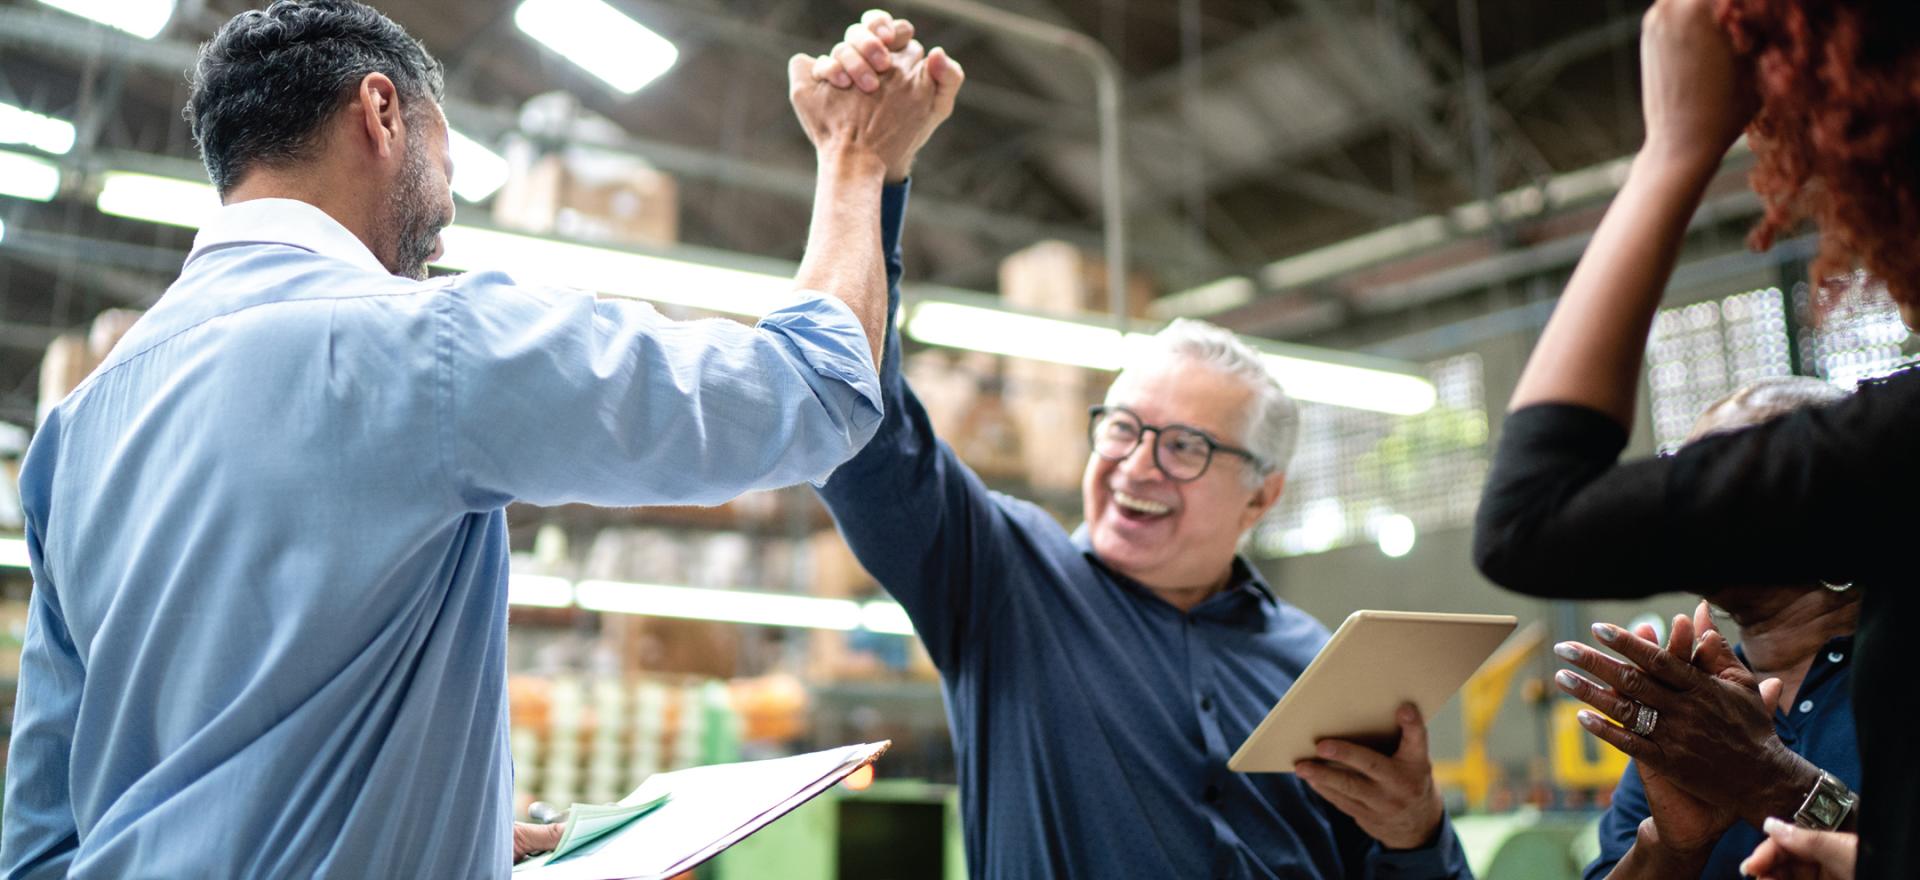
[1376,661]
[706,810]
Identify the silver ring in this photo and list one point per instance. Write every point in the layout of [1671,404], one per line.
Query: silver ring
[1645,719]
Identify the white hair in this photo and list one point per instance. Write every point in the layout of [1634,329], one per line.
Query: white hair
[1273,419]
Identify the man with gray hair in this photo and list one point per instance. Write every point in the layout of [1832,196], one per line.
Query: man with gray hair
[1097,681]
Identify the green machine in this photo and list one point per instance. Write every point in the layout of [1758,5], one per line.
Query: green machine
[894,830]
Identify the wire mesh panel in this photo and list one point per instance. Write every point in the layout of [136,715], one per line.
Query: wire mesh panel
[1700,353]
[1857,336]
[1360,476]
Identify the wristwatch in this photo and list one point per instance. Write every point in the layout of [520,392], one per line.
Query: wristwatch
[1827,805]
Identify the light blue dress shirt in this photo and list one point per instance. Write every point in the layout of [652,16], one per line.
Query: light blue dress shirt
[268,626]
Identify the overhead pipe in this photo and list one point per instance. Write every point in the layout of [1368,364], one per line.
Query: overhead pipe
[1106,81]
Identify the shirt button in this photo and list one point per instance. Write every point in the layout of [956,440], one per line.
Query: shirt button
[1212,794]
[1835,656]
[1206,704]
[1806,705]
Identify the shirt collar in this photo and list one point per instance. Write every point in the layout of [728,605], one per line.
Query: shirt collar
[283,221]
[1244,580]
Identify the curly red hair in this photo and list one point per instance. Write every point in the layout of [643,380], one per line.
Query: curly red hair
[1837,136]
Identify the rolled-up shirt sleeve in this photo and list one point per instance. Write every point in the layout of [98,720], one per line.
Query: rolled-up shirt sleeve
[556,396]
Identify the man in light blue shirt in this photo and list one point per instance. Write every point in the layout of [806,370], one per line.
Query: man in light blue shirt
[268,626]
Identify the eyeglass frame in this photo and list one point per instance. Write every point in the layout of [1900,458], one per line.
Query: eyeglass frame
[1094,414]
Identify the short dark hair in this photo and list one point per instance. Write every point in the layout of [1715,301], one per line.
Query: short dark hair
[269,78]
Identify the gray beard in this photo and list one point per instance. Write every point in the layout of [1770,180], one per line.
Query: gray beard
[412,220]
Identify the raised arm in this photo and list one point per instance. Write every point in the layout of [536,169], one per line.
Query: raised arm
[1695,104]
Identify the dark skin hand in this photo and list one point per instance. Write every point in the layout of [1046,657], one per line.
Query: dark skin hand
[1714,740]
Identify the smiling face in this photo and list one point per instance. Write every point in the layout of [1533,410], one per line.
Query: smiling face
[1171,535]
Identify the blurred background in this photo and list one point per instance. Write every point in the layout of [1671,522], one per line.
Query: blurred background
[1386,194]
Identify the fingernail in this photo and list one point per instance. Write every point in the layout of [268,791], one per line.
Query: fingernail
[1566,679]
[1305,770]
[1588,718]
[1567,651]
[1605,632]
[886,32]
[1324,750]
[869,83]
[1778,828]
[1407,715]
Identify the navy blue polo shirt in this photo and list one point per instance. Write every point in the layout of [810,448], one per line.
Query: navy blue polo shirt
[1091,720]
[1818,726]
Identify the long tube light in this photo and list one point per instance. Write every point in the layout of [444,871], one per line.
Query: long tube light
[655,600]
[167,200]
[752,294]
[620,273]
[1079,344]
[28,177]
[13,553]
[47,134]
[477,171]
[600,39]
[142,18]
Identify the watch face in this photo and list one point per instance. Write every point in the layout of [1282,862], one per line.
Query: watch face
[1824,810]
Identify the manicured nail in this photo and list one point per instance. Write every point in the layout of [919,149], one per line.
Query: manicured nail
[1566,679]
[1780,830]
[1588,719]
[1606,632]
[1567,651]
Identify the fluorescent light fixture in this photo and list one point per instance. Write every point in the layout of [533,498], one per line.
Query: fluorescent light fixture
[28,177]
[1393,393]
[477,171]
[540,591]
[600,39]
[13,553]
[167,200]
[994,331]
[141,18]
[620,273]
[731,606]
[885,617]
[19,125]
[1061,341]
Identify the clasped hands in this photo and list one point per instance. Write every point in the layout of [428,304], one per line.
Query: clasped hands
[1712,756]
[878,95]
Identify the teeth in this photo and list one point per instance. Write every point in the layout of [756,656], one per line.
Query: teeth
[1140,505]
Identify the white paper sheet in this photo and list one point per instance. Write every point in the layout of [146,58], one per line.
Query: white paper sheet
[711,809]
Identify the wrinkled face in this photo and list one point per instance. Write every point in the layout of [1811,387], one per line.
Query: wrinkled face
[420,204]
[1164,533]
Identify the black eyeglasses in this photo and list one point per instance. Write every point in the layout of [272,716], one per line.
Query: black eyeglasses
[1180,452]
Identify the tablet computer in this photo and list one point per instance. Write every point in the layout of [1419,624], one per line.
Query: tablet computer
[1375,662]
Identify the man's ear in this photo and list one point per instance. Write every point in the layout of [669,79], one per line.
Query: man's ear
[1263,499]
[376,116]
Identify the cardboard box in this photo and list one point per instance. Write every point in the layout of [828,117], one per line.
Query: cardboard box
[592,197]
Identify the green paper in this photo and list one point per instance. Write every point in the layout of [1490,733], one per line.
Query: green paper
[588,824]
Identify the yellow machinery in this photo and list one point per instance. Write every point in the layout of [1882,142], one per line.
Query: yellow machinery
[1480,702]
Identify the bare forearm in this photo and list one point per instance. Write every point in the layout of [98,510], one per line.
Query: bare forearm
[843,256]
[1591,351]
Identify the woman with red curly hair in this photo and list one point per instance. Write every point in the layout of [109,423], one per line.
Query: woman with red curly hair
[1829,96]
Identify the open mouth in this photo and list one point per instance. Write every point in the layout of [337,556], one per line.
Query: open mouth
[1133,507]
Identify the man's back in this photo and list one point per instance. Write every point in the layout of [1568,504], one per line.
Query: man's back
[269,619]
[238,513]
